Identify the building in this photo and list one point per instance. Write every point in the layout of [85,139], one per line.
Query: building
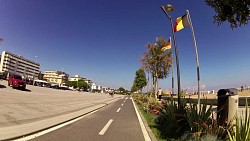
[93,86]
[99,87]
[17,64]
[89,82]
[58,77]
[77,78]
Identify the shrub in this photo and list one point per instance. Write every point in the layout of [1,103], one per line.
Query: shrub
[241,130]
[148,103]
[171,120]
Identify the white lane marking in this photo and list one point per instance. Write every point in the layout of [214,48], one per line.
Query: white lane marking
[118,110]
[105,128]
[124,101]
[52,129]
[143,128]
[122,105]
[126,98]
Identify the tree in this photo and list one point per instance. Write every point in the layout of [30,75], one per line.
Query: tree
[121,89]
[140,80]
[80,84]
[133,89]
[157,62]
[236,12]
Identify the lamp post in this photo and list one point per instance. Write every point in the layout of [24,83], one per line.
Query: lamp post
[166,9]
[33,74]
[193,88]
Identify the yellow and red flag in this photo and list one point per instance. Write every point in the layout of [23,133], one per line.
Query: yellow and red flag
[180,23]
[167,45]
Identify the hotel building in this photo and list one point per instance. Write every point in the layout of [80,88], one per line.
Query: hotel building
[17,64]
[58,77]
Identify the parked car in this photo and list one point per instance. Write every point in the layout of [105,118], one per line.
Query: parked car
[2,76]
[16,81]
[63,88]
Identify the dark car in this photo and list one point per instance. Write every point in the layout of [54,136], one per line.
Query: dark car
[16,81]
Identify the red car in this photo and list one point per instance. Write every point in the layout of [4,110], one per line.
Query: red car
[16,81]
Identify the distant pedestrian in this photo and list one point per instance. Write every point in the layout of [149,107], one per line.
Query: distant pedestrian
[159,93]
[111,93]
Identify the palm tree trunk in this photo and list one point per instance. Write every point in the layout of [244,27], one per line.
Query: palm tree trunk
[156,85]
[153,85]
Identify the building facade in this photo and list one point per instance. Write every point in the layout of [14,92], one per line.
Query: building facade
[77,78]
[12,63]
[58,77]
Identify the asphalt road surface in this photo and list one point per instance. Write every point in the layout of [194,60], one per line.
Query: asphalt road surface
[115,122]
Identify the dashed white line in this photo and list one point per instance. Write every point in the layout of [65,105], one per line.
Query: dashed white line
[122,105]
[105,128]
[29,137]
[118,110]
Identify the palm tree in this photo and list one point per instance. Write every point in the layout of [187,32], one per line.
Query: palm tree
[157,62]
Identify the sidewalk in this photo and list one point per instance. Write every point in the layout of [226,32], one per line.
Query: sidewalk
[12,132]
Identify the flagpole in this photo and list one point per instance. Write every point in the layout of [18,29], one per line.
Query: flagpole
[197,58]
[176,55]
[172,67]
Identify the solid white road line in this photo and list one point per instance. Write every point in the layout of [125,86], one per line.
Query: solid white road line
[143,128]
[52,129]
[105,128]
[118,110]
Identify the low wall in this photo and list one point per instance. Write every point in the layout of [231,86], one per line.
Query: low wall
[242,100]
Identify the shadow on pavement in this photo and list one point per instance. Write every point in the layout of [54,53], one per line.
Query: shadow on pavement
[20,89]
[2,86]
[27,90]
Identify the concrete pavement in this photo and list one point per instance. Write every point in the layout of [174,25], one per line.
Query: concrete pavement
[38,108]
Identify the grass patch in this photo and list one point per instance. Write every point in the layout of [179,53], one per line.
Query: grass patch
[150,120]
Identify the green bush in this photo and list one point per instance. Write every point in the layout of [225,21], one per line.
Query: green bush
[96,91]
[199,120]
[185,122]
[148,103]
[241,130]
[171,120]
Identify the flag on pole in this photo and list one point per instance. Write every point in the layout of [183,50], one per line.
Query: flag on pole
[167,45]
[180,23]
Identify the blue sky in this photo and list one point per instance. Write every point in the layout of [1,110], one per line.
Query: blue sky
[104,40]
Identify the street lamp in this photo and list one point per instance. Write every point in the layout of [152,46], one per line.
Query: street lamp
[193,88]
[33,73]
[166,9]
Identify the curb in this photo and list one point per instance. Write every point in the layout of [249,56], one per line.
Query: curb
[145,129]
[151,134]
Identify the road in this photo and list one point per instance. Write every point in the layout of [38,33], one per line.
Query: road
[25,112]
[115,122]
